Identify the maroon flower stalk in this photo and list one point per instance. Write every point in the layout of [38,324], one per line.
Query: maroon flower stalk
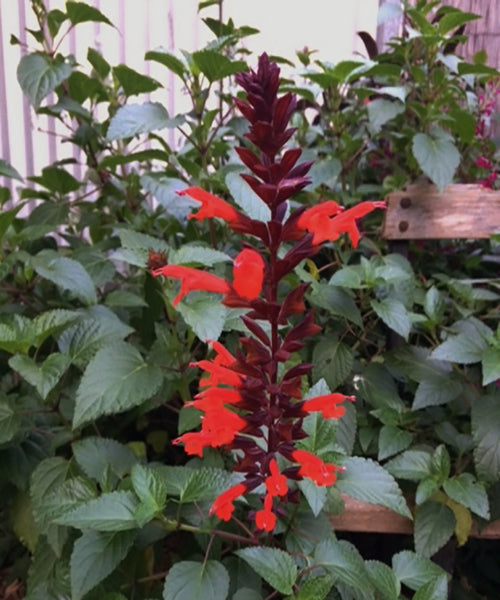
[252,403]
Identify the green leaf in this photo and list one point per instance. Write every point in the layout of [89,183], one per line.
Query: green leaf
[491,365]
[465,490]
[81,12]
[133,119]
[190,580]
[315,495]
[315,588]
[437,156]
[57,180]
[116,379]
[100,64]
[111,162]
[95,555]
[204,484]
[325,172]
[332,361]
[336,300]
[412,464]
[462,348]
[433,590]
[454,19]
[99,456]
[383,580]
[438,389]
[17,333]
[198,256]
[276,567]
[471,69]
[164,189]
[125,299]
[216,66]
[434,526]
[204,313]
[414,570]
[21,520]
[345,434]
[7,170]
[66,273]
[381,111]
[63,498]
[394,314]
[39,75]
[151,491]
[485,415]
[44,376]
[108,512]
[133,82]
[246,198]
[53,322]
[168,60]
[345,563]
[366,480]
[10,420]
[45,480]
[392,440]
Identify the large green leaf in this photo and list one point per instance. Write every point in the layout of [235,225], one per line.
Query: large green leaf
[462,348]
[17,333]
[437,156]
[52,322]
[204,313]
[116,379]
[81,12]
[465,490]
[336,300]
[412,464]
[454,19]
[95,555]
[437,389]
[383,580]
[394,314]
[98,457]
[133,82]
[168,60]
[434,526]
[380,111]
[7,170]
[151,491]
[333,360]
[345,563]
[433,590]
[246,198]
[215,65]
[197,255]
[392,440]
[414,570]
[366,480]
[46,479]
[109,512]
[491,365]
[190,580]
[39,75]
[164,189]
[315,495]
[486,433]
[274,566]
[133,119]
[10,419]
[205,484]
[315,588]
[42,376]
[66,273]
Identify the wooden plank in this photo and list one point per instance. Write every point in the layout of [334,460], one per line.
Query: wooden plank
[420,212]
[361,517]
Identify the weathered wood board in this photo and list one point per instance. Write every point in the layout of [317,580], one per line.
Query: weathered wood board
[462,211]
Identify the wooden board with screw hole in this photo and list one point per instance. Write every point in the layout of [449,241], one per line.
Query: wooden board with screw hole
[462,211]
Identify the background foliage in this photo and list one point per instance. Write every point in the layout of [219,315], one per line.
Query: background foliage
[98,503]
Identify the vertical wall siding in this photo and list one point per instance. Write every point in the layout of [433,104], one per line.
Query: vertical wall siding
[29,141]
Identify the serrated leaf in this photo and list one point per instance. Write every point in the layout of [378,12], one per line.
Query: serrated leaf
[276,567]
[81,12]
[168,60]
[392,440]
[20,518]
[333,360]
[126,299]
[394,314]
[151,491]
[490,361]
[345,563]
[66,273]
[204,313]
[320,434]
[336,300]
[215,65]
[246,198]
[46,479]
[95,555]
[57,180]
[116,379]
[17,334]
[108,512]
[383,579]
[10,420]
[133,119]
[42,376]
[433,590]
[39,75]
[412,464]
[467,491]
[485,415]
[165,189]
[7,170]
[366,480]
[134,82]
[190,580]
[434,526]
[198,255]
[315,588]
[315,495]
[461,348]
[98,456]
[205,484]
[345,434]
[437,156]
[414,570]
[380,111]
[436,390]
[53,322]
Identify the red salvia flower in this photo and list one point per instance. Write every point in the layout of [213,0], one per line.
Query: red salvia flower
[328,405]
[312,467]
[248,274]
[265,519]
[276,482]
[223,505]
[192,279]
[211,206]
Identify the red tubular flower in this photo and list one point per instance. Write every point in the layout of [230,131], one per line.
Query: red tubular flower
[192,279]
[222,425]
[314,468]
[217,374]
[215,398]
[345,222]
[194,442]
[223,505]
[211,206]
[224,357]
[248,274]
[265,519]
[276,482]
[328,405]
